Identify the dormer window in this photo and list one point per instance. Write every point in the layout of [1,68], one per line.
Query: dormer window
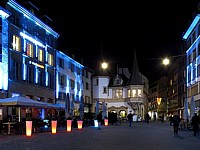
[118,80]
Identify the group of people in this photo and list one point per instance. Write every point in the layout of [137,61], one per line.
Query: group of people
[175,120]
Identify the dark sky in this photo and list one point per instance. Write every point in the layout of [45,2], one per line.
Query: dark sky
[113,30]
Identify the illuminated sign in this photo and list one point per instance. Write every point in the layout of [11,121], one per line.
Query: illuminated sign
[38,65]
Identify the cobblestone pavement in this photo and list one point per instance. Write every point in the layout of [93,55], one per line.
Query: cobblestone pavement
[141,136]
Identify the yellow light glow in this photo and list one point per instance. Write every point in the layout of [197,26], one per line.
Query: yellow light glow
[159,100]
[166,61]
[104,65]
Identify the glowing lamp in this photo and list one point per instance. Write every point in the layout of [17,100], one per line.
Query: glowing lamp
[166,61]
[106,122]
[28,128]
[69,125]
[159,100]
[104,65]
[80,124]
[53,126]
[95,123]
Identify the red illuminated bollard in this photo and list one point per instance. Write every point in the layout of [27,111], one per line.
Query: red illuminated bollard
[80,124]
[53,126]
[69,125]
[106,122]
[28,128]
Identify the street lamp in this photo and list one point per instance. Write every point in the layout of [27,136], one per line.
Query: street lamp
[104,65]
[165,61]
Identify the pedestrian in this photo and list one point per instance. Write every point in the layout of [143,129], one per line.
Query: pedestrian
[130,118]
[154,117]
[171,120]
[176,121]
[162,118]
[147,118]
[99,119]
[195,124]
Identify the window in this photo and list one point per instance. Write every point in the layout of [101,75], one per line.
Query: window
[61,63]
[118,94]
[16,43]
[139,92]
[104,90]
[40,77]
[29,49]
[129,93]
[133,93]
[87,86]
[15,69]
[97,82]
[40,55]
[72,67]
[30,75]
[50,59]
[72,85]
[51,80]
[62,79]
[171,82]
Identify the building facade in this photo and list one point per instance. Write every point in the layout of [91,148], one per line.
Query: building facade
[69,83]
[191,45]
[28,53]
[123,93]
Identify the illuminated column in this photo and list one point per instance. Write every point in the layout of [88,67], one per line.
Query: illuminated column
[69,125]
[28,128]
[80,124]
[106,122]
[53,126]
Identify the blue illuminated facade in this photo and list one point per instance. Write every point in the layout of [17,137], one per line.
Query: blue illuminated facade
[28,54]
[69,82]
[192,49]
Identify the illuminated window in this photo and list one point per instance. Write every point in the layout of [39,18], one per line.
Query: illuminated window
[16,43]
[50,59]
[139,92]
[133,92]
[173,91]
[129,93]
[118,94]
[29,49]
[40,55]
[171,82]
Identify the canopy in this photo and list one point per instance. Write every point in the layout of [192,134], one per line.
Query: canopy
[23,101]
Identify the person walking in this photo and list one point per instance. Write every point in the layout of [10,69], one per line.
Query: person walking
[130,118]
[176,121]
[195,124]
[170,120]
[99,119]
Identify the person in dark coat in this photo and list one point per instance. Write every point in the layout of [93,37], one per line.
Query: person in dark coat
[176,121]
[130,118]
[195,124]
[147,118]
[99,119]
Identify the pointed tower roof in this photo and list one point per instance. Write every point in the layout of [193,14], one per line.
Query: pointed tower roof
[135,77]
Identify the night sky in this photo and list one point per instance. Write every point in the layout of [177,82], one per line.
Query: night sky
[113,30]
